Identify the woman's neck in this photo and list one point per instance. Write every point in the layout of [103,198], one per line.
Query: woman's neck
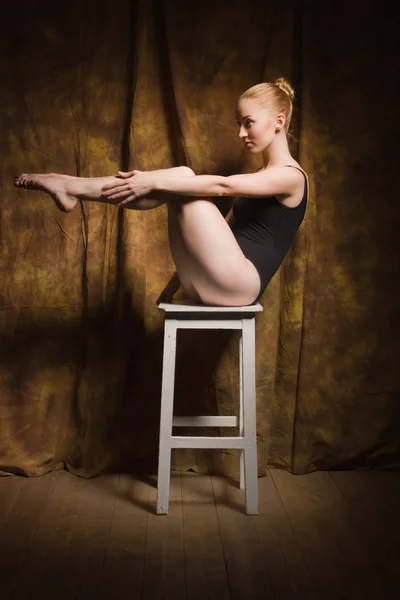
[277,153]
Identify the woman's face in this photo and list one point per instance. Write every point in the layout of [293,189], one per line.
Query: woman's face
[257,126]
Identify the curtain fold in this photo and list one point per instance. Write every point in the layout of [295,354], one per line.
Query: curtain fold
[93,87]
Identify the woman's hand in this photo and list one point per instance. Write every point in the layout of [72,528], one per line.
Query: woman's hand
[134,184]
[126,174]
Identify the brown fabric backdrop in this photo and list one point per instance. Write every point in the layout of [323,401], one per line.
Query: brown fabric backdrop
[92,86]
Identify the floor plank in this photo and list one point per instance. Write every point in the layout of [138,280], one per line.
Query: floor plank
[89,539]
[18,530]
[76,529]
[362,581]
[324,560]
[206,577]
[385,484]
[122,576]
[325,535]
[377,520]
[10,487]
[164,571]
[248,575]
[46,563]
[287,567]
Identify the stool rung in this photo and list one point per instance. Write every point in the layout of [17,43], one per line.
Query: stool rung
[205,421]
[187,441]
[209,324]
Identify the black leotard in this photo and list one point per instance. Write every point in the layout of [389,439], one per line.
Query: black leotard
[265,229]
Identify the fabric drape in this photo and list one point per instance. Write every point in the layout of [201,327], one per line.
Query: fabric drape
[92,87]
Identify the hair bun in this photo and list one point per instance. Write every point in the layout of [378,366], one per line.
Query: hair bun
[285,86]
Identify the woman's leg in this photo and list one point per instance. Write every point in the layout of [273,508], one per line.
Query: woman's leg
[208,259]
[183,262]
[218,269]
[67,190]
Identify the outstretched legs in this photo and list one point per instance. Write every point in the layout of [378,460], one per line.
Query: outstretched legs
[67,190]
[210,264]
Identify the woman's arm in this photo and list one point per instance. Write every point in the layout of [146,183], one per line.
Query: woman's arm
[155,199]
[274,181]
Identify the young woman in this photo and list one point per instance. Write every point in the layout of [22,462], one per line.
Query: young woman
[218,261]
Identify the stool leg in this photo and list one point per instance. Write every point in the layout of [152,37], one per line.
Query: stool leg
[167,407]
[250,430]
[241,426]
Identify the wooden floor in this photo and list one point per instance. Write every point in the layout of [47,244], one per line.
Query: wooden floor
[326,535]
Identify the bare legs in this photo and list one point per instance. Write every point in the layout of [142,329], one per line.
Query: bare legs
[210,264]
[67,190]
[183,262]
[219,271]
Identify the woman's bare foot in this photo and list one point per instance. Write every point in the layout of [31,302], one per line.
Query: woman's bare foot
[54,184]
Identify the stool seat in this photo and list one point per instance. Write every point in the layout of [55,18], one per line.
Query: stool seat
[179,315]
[180,308]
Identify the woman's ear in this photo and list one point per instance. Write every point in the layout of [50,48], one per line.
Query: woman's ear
[280,122]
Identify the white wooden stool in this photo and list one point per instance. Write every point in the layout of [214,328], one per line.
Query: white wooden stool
[186,316]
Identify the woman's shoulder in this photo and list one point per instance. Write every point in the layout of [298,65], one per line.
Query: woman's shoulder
[294,164]
[292,172]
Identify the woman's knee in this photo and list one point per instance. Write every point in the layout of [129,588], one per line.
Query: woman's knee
[186,171]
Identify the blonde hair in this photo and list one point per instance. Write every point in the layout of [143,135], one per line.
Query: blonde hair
[278,95]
